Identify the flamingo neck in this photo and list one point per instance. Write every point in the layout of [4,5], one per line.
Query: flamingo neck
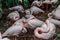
[47,25]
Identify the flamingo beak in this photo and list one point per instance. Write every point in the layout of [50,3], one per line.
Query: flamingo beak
[42,12]
[10,9]
[16,18]
[50,15]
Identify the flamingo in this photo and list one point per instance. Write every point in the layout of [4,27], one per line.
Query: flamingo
[28,13]
[15,29]
[13,16]
[33,23]
[56,13]
[54,1]
[54,21]
[17,8]
[45,35]
[36,3]
[36,10]
[50,2]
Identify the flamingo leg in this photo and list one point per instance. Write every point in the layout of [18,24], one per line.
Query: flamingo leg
[14,38]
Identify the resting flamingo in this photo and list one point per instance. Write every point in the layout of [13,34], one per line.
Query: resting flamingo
[45,35]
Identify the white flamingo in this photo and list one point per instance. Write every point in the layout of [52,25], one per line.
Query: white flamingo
[36,10]
[18,8]
[32,23]
[13,16]
[54,1]
[54,21]
[36,3]
[15,29]
[50,2]
[28,13]
[48,34]
[56,13]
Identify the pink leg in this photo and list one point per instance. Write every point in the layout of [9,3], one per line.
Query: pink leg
[14,38]
[20,36]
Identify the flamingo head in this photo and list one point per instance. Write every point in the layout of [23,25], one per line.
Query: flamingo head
[36,3]
[50,15]
[24,30]
[42,11]
[27,12]
[16,18]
